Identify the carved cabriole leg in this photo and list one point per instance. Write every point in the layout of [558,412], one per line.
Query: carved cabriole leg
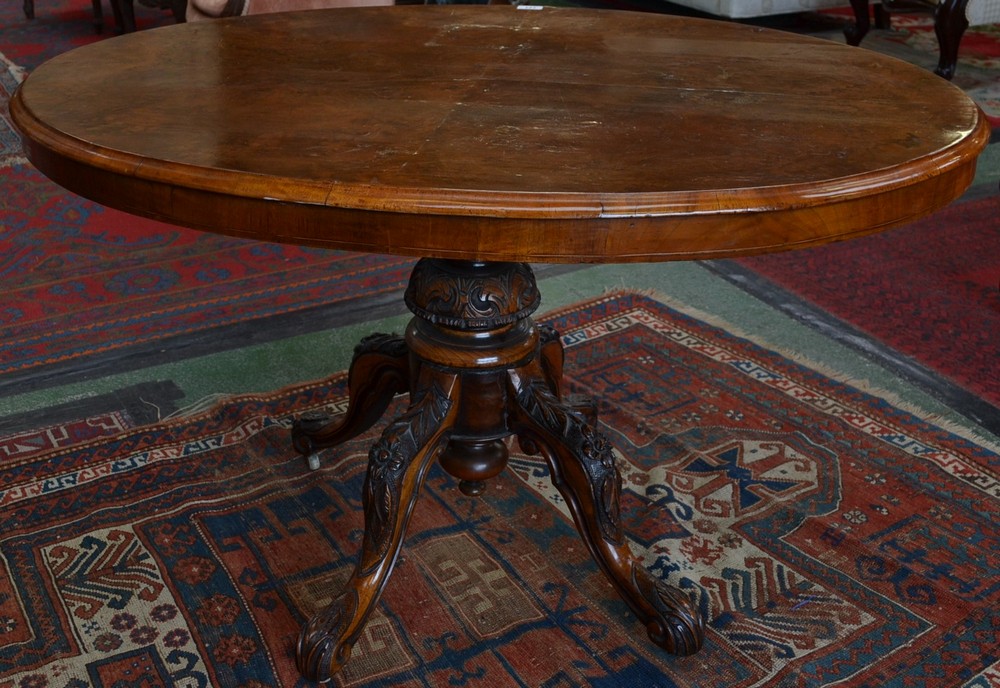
[552,355]
[397,466]
[583,469]
[950,24]
[379,371]
[855,32]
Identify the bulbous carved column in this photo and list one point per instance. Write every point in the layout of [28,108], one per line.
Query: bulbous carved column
[472,297]
[475,317]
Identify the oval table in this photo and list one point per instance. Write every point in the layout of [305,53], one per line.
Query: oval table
[481,139]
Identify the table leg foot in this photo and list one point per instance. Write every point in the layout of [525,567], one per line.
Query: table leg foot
[397,466]
[379,371]
[583,469]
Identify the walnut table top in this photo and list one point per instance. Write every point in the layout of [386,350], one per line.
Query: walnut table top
[495,133]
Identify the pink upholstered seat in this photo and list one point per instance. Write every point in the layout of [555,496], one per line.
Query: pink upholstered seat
[212,9]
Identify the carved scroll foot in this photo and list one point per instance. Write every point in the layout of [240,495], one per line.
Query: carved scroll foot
[324,644]
[379,371]
[397,466]
[583,469]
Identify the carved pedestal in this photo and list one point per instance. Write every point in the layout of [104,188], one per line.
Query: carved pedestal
[477,369]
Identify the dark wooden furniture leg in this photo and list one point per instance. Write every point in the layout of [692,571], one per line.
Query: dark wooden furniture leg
[124,13]
[379,371]
[98,16]
[127,13]
[583,469]
[29,9]
[950,24]
[856,31]
[178,8]
[883,17]
[478,370]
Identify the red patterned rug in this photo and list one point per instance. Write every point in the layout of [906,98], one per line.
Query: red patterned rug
[81,280]
[832,538]
[930,290]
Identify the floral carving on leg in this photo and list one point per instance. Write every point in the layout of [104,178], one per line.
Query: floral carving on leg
[589,449]
[388,469]
[397,465]
[583,468]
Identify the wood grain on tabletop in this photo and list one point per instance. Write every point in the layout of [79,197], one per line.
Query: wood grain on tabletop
[492,133]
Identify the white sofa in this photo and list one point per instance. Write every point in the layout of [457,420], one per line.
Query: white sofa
[212,9]
[748,9]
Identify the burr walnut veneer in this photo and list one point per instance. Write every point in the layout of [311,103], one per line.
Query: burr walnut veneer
[481,139]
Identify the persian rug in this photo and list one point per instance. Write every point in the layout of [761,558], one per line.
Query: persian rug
[930,290]
[831,537]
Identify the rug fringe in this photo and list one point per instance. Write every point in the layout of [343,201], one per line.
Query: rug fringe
[203,405]
[208,404]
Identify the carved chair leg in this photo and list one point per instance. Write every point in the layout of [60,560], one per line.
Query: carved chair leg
[856,31]
[98,16]
[397,465]
[583,469]
[379,371]
[883,18]
[950,24]
[178,8]
[124,11]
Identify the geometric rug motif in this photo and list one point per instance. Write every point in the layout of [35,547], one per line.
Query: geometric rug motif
[831,538]
[25,444]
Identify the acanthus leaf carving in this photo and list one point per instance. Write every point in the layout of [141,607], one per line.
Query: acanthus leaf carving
[388,463]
